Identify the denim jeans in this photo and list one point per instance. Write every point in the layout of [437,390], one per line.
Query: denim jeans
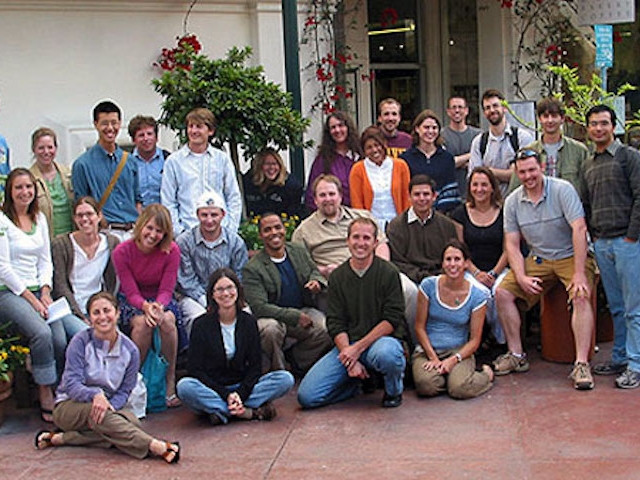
[619,264]
[47,342]
[202,399]
[328,381]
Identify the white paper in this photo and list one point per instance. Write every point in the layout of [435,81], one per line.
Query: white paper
[58,309]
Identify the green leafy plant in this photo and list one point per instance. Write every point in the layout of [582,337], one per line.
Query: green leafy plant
[249,230]
[12,354]
[582,96]
[252,112]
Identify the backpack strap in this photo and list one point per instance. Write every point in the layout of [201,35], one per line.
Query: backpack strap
[114,179]
[513,139]
[484,139]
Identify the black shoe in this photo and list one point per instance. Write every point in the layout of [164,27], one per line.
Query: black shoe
[391,401]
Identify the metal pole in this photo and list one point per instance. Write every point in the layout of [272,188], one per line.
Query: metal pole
[292,72]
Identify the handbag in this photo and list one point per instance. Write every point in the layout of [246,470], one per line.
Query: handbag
[154,372]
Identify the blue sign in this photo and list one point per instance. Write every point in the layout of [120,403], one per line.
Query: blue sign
[604,45]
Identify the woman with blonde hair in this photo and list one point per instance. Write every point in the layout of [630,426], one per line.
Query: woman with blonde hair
[268,187]
[147,266]
[53,182]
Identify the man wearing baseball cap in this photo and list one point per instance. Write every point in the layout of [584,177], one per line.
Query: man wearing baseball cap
[203,249]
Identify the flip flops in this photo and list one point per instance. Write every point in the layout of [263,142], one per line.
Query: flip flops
[172,448]
[41,441]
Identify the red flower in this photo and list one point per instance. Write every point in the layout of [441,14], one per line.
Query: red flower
[310,21]
[388,17]
[617,37]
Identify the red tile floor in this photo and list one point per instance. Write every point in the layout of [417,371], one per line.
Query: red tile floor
[529,426]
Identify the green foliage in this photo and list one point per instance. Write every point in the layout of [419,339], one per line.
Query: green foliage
[251,111]
[583,96]
[251,235]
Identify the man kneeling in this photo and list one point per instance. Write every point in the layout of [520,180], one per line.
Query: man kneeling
[365,320]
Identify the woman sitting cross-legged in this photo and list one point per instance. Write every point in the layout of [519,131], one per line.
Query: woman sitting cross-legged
[225,359]
[99,375]
[449,319]
[147,266]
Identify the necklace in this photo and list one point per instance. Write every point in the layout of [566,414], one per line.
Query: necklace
[457,301]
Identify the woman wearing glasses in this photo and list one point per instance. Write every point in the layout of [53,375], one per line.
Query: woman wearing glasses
[82,259]
[225,360]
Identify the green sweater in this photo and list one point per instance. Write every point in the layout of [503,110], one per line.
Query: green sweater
[357,304]
[262,283]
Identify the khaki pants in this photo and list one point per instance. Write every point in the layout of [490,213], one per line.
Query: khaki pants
[119,429]
[307,344]
[462,382]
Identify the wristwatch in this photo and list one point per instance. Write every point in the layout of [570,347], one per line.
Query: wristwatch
[458,357]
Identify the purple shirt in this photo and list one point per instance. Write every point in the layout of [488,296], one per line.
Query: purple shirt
[92,368]
[144,276]
[341,168]
[397,144]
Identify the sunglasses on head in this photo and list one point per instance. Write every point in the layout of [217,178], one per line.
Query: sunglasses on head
[526,153]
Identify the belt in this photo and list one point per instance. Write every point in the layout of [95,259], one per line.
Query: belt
[121,226]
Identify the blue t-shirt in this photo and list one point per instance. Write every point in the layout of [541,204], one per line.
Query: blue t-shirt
[5,167]
[448,327]
[291,291]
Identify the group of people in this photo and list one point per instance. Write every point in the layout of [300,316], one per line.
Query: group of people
[389,268]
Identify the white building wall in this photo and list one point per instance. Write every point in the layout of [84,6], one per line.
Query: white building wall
[59,58]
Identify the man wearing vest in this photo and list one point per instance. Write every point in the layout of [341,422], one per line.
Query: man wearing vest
[497,147]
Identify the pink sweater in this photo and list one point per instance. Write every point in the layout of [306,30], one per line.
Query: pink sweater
[144,276]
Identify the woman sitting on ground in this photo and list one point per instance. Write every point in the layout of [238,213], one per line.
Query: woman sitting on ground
[147,266]
[379,183]
[225,359]
[339,149]
[268,187]
[101,371]
[82,259]
[53,182]
[26,273]
[449,319]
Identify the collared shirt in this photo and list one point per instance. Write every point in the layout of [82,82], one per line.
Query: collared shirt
[326,240]
[149,176]
[188,175]
[383,207]
[199,259]
[93,367]
[546,224]
[499,152]
[412,216]
[613,185]
[91,174]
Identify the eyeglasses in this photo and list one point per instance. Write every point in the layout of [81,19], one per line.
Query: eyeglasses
[227,289]
[85,215]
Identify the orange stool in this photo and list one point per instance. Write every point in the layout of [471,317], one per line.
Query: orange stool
[556,335]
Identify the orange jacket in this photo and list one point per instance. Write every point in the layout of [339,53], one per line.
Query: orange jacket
[362,193]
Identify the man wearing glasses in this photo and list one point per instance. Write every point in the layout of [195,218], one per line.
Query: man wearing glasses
[613,201]
[547,213]
[497,147]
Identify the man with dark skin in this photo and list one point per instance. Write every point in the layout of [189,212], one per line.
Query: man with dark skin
[281,282]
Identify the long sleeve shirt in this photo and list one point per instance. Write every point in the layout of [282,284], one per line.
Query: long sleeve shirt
[199,259]
[91,367]
[25,258]
[146,275]
[91,174]
[188,175]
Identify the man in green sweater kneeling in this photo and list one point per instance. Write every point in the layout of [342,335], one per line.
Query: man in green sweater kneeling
[365,319]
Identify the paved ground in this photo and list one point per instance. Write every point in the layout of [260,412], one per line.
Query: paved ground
[529,426]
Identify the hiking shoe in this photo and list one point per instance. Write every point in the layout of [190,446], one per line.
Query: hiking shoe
[609,368]
[581,376]
[265,412]
[391,401]
[628,379]
[508,362]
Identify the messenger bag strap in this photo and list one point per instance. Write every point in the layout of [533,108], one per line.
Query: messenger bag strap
[114,179]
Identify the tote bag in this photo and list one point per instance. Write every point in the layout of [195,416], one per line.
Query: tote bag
[154,371]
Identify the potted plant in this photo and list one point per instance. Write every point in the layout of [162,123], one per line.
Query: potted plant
[249,231]
[12,356]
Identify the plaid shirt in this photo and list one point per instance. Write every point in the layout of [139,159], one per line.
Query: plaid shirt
[613,185]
